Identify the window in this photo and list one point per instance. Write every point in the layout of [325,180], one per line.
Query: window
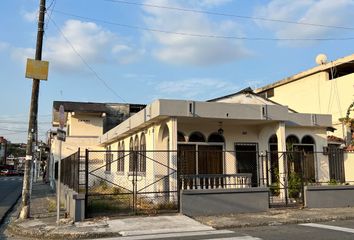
[142,154]
[216,137]
[290,141]
[131,155]
[180,137]
[197,137]
[120,161]
[307,140]
[108,157]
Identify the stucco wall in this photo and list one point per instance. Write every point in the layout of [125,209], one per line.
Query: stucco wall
[349,166]
[85,125]
[317,94]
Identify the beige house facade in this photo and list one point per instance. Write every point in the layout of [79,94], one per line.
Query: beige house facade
[324,89]
[213,138]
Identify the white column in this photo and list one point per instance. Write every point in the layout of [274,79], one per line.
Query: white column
[173,152]
[280,131]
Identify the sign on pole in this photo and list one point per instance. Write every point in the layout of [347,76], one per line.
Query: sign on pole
[36,69]
[61,135]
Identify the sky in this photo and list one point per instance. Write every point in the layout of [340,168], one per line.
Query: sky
[136,51]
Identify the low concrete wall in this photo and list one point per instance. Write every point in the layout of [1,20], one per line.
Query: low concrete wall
[329,196]
[224,201]
[73,202]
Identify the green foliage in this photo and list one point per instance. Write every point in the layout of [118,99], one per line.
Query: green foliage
[294,185]
[333,182]
[275,186]
[17,150]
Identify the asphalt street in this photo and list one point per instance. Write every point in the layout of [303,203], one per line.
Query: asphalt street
[343,230]
[10,191]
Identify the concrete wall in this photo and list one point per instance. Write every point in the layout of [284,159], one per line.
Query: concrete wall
[349,167]
[329,196]
[224,201]
[73,202]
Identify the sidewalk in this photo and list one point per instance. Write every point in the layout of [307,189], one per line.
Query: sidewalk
[43,225]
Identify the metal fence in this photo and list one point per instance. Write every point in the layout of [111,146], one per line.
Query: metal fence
[149,182]
[70,171]
[131,182]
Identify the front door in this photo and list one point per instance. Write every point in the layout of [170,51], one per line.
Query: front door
[246,157]
[210,160]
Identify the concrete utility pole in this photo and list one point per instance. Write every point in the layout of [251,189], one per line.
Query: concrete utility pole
[26,190]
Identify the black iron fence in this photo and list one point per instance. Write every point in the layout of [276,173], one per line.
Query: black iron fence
[70,171]
[148,182]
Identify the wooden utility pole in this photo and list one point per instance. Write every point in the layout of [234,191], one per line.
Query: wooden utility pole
[26,190]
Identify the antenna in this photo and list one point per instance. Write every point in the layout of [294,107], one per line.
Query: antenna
[321,59]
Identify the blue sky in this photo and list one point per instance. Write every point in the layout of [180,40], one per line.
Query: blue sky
[122,45]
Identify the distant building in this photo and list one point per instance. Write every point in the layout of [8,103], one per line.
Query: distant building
[3,150]
[85,122]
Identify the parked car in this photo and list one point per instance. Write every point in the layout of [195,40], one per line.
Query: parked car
[8,172]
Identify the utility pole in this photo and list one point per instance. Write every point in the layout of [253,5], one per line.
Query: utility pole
[26,190]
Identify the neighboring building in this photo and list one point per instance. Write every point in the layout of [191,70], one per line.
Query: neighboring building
[86,122]
[324,89]
[215,137]
[3,150]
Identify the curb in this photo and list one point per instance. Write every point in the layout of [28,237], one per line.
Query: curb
[11,208]
[16,230]
[276,223]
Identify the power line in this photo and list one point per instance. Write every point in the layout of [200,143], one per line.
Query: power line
[229,15]
[84,61]
[200,35]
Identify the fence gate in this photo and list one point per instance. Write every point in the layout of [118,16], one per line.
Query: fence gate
[287,186]
[130,182]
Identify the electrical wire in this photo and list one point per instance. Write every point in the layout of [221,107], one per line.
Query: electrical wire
[229,15]
[200,35]
[84,61]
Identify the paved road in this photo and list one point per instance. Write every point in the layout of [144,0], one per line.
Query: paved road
[10,190]
[343,230]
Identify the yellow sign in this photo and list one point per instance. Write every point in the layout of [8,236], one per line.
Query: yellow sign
[36,69]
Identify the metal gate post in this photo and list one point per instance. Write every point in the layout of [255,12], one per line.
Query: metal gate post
[302,158]
[86,181]
[286,177]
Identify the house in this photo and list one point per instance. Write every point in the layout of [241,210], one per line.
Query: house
[327,89]
[174,144]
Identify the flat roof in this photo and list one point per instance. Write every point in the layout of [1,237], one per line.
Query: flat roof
[311,71]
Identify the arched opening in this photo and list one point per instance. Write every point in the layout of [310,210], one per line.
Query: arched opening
[196,137]
[291,140]
[120,161]
[131,155]
[164,138]
[273,139]
[216,137]
[274,160]
[307,140]
[180,137]
[142,155]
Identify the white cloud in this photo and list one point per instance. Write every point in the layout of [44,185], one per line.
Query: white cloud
[194,88]
[21,54]
[325,12]
[179,49]
[91,42]
[212,3]
[30,16]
